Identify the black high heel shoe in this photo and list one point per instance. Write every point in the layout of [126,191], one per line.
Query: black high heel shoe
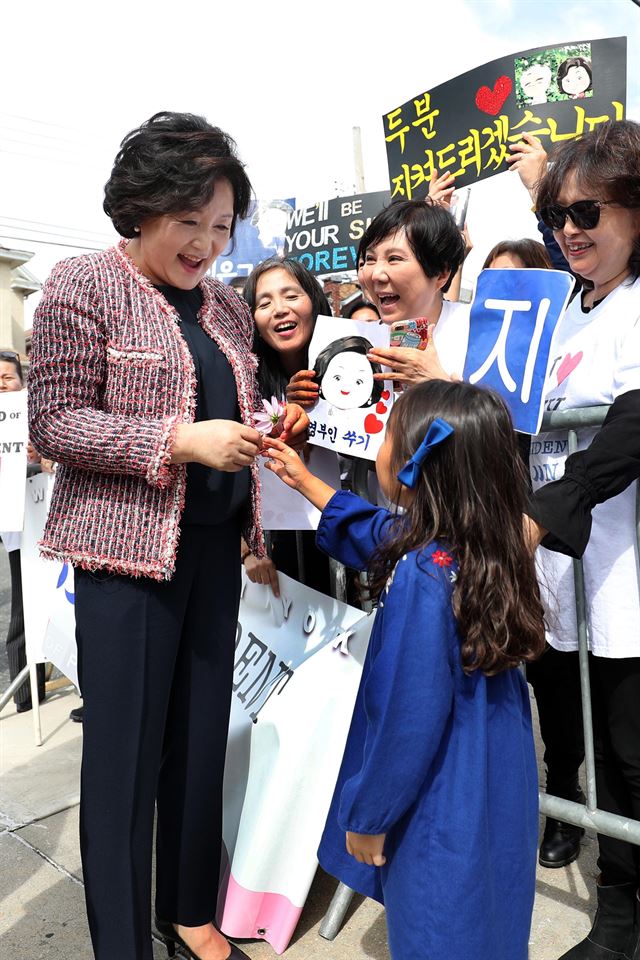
[171,939]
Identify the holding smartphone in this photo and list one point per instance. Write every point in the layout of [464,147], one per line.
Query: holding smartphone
[410,333]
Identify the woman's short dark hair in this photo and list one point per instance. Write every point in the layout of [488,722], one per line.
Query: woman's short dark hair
[349,345]
[431,231]
[532,253]
[566,65]
[272,378]
[606,164]
[359,304]
[171,164]
[10,356]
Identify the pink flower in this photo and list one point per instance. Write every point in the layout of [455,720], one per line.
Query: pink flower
[270,417]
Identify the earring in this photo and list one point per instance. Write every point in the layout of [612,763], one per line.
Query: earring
[136,229]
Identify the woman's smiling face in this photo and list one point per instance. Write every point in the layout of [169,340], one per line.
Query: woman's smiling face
[178,249]
[397,283]
[283,312]
[600,255]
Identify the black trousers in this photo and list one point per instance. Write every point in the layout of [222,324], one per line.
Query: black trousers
[615,702]
[555,679]
[16,644]
[615,696]
[155,668]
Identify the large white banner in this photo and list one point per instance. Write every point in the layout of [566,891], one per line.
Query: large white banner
[47,588]
[297,671]
[13,458]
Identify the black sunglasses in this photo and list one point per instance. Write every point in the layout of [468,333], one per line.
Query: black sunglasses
[9,355]
[584,213]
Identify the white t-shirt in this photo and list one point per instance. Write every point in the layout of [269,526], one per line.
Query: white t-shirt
[451,336]
[595,357]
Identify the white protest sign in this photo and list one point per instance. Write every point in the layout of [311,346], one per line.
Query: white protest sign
[14,434]
[286,509]
[47,588]
[294,691]
[353,408]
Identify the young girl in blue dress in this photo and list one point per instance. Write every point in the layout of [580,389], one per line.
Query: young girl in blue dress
[435,813]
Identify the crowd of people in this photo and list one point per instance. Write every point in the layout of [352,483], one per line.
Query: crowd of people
[144,378]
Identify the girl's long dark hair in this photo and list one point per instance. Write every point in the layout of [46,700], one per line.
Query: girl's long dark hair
[272,378]
[471,496]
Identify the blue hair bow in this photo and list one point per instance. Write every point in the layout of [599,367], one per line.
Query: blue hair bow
[438,431]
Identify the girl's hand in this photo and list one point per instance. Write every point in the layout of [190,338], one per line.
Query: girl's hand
[222,444]
[441,188]
[303,388]
[529,158]
[409,365]
[295,426]
[285,463]
[367,848]
[262,571]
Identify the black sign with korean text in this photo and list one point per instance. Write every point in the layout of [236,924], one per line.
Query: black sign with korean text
[465,126]
[325,237]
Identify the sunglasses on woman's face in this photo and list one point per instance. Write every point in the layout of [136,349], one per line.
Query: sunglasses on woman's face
[584,213]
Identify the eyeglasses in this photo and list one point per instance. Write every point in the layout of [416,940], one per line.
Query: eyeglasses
[9,355]
[585,214]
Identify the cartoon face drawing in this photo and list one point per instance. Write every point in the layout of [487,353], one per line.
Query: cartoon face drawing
[348,381]
[535,82]
[346,375]
[574,77]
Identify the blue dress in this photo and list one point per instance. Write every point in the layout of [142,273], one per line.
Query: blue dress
[440,761]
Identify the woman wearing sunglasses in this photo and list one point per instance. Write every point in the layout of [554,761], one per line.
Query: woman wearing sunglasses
[590,198]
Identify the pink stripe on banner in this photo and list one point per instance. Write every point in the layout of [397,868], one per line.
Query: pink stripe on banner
[264,916]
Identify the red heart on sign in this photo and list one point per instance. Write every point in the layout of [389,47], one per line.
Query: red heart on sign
[372,424]
[381,407]
[385,394]
[491,101]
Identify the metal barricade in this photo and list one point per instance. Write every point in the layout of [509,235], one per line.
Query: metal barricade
[609,824]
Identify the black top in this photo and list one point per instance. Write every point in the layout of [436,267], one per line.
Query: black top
[212,496]
[602,471]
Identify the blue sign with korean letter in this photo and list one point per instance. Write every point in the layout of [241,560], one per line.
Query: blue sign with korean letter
[513,317]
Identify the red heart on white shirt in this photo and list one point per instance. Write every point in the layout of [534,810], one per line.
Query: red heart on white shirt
[568,365]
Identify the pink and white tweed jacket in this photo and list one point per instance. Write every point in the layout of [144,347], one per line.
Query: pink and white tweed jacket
[110,379]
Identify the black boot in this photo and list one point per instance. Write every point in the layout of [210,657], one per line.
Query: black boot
[612,927]
[561,841]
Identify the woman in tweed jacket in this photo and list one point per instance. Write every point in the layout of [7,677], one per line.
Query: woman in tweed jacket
[142,388]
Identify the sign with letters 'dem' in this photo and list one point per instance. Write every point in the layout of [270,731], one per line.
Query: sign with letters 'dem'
[351,413]
[465,126]
[513,317]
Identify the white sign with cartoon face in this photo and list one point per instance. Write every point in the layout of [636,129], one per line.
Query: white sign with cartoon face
[354,401]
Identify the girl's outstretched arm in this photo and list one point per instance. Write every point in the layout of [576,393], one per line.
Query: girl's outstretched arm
[286,464]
